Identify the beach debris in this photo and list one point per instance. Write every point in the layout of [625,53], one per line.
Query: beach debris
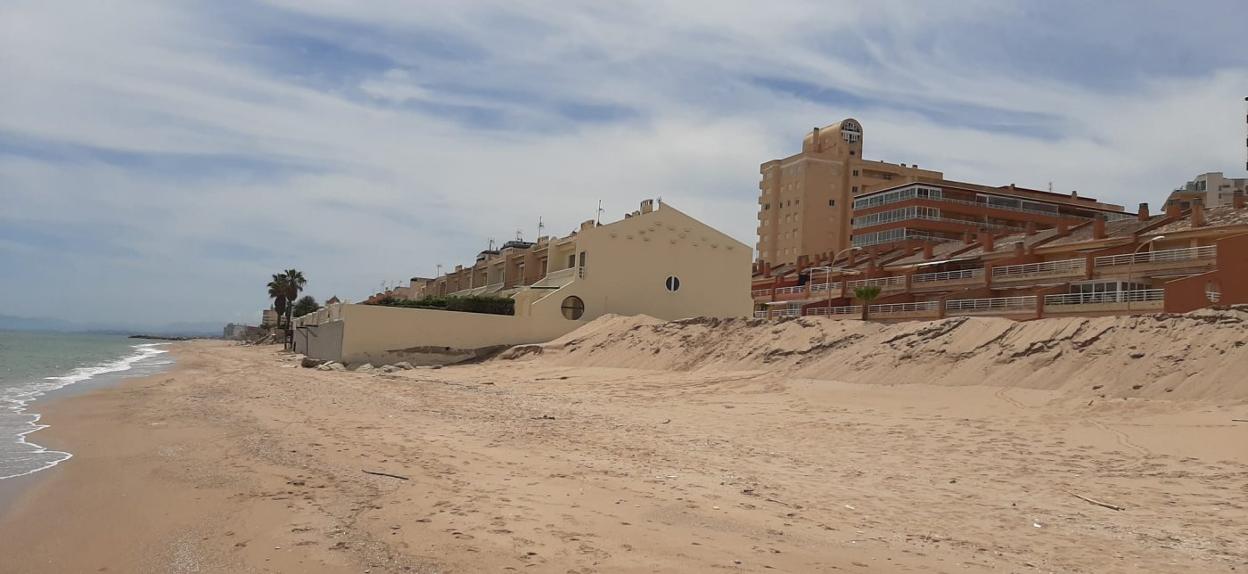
[1137,355]
[666,421]
[1094,501]
[543,418]
[406,366]
[1239,420]
[1036,524]
[331,366]
[386,474]
[390,369]
[310,363]
[365,368]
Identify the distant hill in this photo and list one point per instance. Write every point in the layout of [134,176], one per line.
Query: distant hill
[13,323]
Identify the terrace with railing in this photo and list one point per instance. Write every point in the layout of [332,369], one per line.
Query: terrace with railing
[1046,269]
[884,283]
[991,306]
[946,279]
[916,309]
[1166,256]
[556,279]
[850,310]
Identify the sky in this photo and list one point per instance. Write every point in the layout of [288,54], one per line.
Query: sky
[160,160]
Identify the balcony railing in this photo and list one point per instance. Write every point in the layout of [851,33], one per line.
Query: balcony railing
[850,310]
[756,293]
[1214,296]
[819,287]
[1105,297]
[777,313]
[948,276]
[791,290]
[921,306]
[760,314]
[881,282]
[991,305]
[1063,267]
[1163,256]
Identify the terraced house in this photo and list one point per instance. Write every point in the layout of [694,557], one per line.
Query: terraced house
[1090,260]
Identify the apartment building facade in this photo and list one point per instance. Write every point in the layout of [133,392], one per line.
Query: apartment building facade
[942,210]
[1177,261]
[804,204]
[1208,189]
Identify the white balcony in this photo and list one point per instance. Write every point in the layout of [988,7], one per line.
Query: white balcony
[759,293]
[917,308]
[834,311]
[884,283]
[991,306]
[1208,252]
[1105,297]
[1063,268]
[962,276]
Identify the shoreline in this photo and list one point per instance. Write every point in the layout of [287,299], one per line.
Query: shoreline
[238,460]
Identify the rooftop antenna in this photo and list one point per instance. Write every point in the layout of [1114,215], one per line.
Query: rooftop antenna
[439,271]
[491,244]
[1050,187]
[519,234]
[540,226]
[598,218]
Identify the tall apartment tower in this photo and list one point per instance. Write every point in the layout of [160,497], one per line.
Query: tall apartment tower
[804,208]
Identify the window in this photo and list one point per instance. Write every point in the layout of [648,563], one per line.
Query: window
[572,260]
[573,308]
[672,283]
[854,189]
[855,173]
[831,203]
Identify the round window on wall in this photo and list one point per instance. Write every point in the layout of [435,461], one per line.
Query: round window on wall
[573,307]
[672,283]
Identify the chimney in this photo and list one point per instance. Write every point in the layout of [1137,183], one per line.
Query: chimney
[1237,200]
[1063,227]
[966,238]
[927,251]
[766,269]
[987,241]
[647,205]
[1074,194]
[1173,210]
[1098,227]
[853,258]
[1143,212]
[1031,228]
[1019,249]
[1198,215]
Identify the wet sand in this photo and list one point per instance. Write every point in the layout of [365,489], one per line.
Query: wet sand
[239,461]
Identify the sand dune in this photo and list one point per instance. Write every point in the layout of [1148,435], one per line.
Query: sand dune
[639,446]
[1200,356]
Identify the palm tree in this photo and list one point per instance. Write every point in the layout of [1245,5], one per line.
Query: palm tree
[294,284]
[278,290]
[867,294]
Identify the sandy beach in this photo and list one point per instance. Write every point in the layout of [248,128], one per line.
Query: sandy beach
[634,446]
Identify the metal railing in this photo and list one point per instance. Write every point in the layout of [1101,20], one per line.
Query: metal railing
[1214,296]
[1105,297]
[991,305]
[882,282]
[817,287]
[1163,256]
[760,314]
[884,308]
[789,290]
[1063,267]
[921,306]
[760,293]
[834,310]
[949,275]
[776,313]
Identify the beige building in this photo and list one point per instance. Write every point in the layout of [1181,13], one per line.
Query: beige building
[1209,190]
[804,210]
[657,261]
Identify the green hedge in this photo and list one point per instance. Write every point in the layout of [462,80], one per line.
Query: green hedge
[475,304]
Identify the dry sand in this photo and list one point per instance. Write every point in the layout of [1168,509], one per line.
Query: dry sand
[695,446]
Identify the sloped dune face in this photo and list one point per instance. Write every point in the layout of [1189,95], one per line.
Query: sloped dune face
[1196,356]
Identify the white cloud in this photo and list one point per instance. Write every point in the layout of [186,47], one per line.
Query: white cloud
[223,148]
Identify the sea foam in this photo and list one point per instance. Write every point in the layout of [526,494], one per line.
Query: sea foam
[20,457]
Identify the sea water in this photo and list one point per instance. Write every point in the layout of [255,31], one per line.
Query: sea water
[35,364]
